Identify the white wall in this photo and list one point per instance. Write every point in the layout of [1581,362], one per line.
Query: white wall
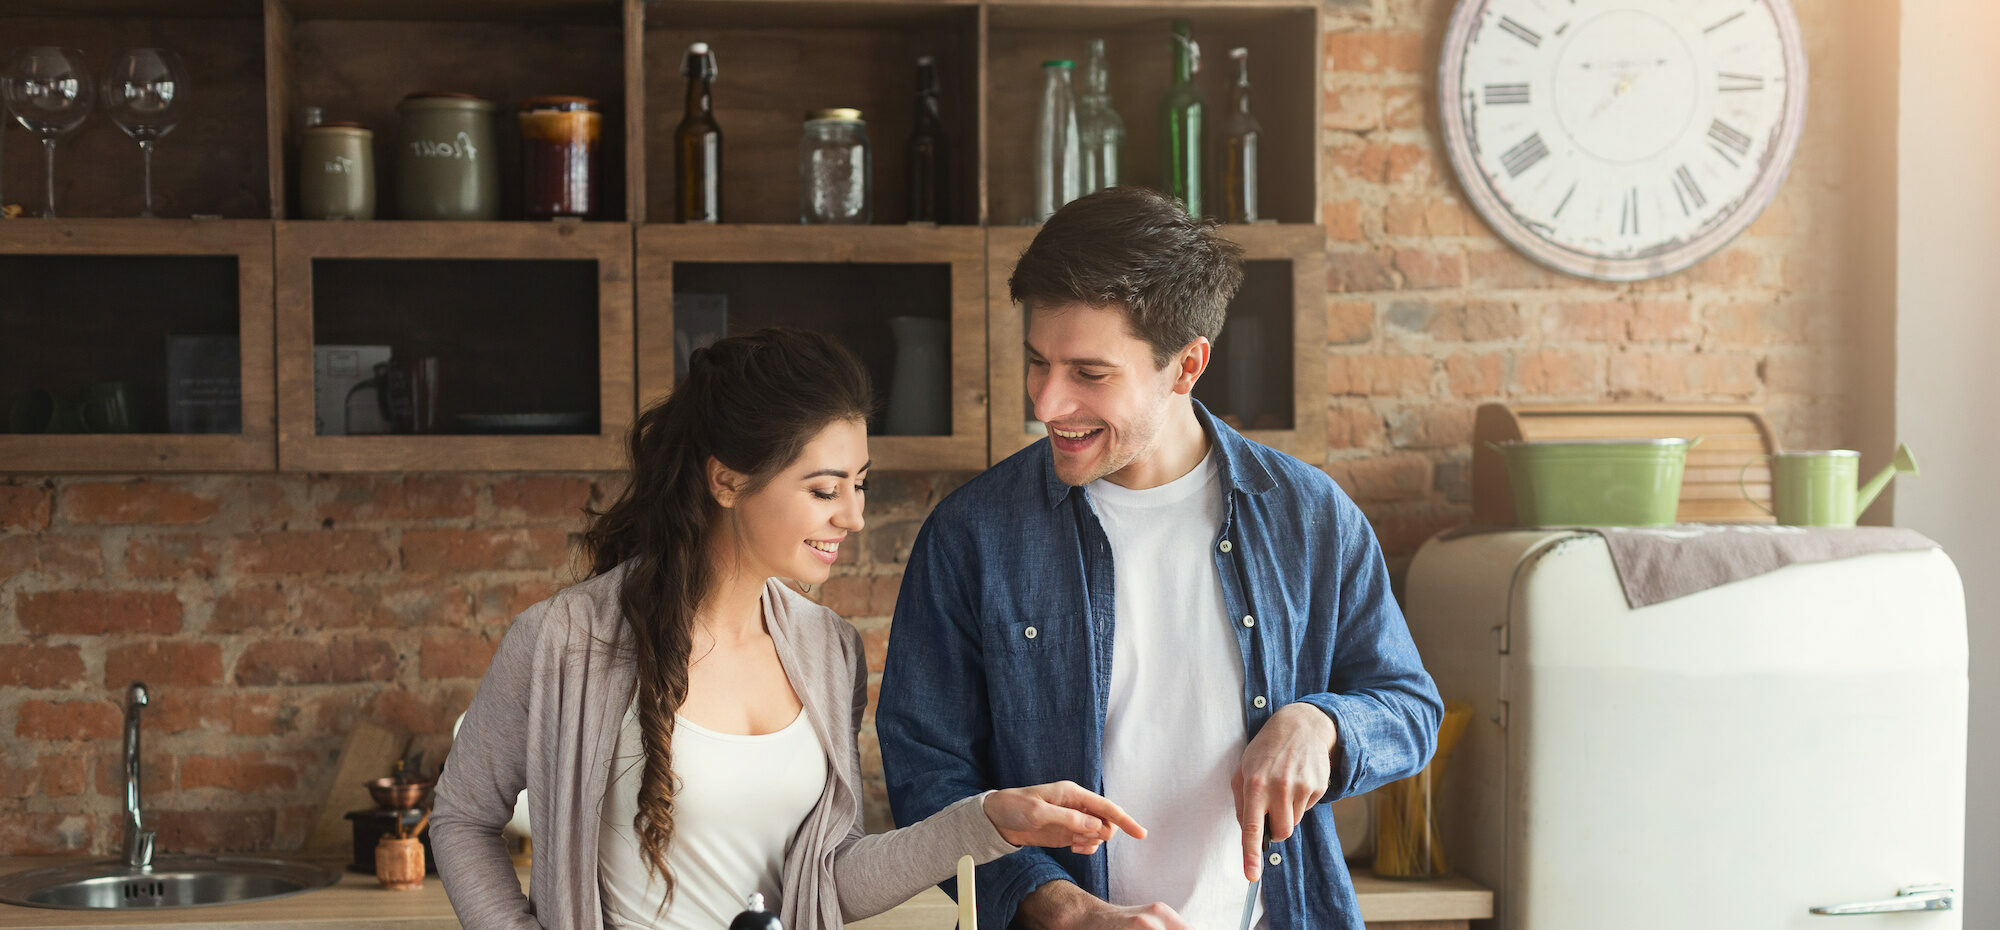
[1948,356]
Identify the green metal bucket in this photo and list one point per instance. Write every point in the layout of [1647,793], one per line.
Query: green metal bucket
[1596,482]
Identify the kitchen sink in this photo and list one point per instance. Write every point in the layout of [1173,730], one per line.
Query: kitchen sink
[171,881]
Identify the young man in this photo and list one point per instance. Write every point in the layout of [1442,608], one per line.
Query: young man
[1152,606]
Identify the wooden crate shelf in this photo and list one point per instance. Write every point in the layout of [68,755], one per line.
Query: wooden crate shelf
[781,277]
[103,312]
[515,316]
[1283,40]
[213,162]
[777,60]
[358,60]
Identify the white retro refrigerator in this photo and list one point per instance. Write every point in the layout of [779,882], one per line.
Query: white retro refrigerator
[1735,758]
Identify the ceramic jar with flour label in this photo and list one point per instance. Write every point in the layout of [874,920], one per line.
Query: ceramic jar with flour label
[447,167]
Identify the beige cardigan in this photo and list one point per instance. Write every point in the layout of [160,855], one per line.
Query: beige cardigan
[546,718]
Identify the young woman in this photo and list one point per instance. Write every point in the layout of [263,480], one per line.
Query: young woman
[683,722]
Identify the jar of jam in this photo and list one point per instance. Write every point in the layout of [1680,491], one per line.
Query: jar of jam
[559,162]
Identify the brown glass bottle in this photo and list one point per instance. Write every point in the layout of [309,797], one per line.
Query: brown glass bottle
[1240,132]
[928,181]
[698,144]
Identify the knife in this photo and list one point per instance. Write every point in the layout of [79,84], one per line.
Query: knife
[1250,899]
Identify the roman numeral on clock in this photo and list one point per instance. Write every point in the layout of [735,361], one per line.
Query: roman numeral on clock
[1505,94]
[1687,191]
[1722,136]
[1565,201]
[1628,213]
[1528,153]
[1521,32]
[1730,82]
[1725,21]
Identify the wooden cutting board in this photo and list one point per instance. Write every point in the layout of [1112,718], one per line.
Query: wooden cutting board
[371,750]
[1732,435]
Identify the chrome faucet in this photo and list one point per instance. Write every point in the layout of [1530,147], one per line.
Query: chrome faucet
[138,839]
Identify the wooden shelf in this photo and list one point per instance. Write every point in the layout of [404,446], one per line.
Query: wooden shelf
[461,296]
[212,163]
[358,60]
[778,60]
[824,283]
[116,327]
[256,63]
[1286,277]
[1284,43]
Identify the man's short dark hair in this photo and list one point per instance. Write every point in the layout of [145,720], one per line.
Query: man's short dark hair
[1138,249]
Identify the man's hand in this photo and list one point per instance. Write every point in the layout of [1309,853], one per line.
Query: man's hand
[1063,906]
[1283,774]
[1058,814]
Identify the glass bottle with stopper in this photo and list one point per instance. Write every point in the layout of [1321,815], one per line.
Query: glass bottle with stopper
[1240,132]
[1101,129]
[1181,124]
[698,143]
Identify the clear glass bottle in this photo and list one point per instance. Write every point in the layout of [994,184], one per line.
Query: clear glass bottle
[1058,150]
[928,181]
[1099,126]
[698,143]
[1240,132]
[834,182]
[1181,134]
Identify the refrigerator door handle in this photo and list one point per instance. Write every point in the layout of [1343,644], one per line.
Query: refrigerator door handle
[1913,898]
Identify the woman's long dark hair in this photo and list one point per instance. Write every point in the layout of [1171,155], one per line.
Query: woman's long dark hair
[752,402]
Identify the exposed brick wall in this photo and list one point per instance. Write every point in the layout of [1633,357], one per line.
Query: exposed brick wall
[1429,313]
[272,611]
[269,613]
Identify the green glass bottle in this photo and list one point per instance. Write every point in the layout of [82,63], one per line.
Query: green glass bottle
[1181,134]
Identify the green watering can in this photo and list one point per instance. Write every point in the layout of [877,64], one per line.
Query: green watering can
[1816,488]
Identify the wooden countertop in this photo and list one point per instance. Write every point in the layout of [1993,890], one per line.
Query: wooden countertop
[358,903]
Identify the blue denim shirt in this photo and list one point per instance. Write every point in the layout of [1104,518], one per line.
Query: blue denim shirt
[999,662]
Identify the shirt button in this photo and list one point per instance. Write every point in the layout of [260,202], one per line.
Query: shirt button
[1029,632]
[1249,621]
[1225,546]
[1257,702]
[1275,858]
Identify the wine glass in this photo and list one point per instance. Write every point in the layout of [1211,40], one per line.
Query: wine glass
[145,92]
[49,92]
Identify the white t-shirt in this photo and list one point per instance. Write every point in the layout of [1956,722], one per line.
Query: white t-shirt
[1174,732]
[740,801]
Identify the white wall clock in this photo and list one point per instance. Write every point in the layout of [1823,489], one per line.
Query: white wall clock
[1622,139]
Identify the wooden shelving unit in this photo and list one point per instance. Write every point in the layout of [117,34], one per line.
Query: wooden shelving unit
[255,63]
[125,286]
[795,276]
[525,288]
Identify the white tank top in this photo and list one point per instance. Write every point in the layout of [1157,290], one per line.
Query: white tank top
[741,800]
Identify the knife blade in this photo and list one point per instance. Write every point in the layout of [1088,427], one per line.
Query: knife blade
[1250,898]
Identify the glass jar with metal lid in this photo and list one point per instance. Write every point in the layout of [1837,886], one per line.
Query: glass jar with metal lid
[559,160]
[447,167]
[834,172]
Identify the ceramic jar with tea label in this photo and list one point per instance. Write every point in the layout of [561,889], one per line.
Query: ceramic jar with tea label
[559,142]
[447,167]
[337,172]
